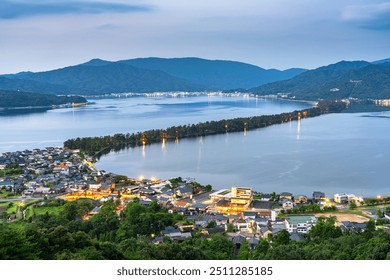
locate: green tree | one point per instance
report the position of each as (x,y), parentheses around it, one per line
(261,249)
(283,237)
(244,251)
(324,229)
(208,188)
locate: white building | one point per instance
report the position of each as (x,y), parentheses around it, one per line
(300,224)
(346,198)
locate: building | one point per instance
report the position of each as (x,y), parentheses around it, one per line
(221,194)
(241,196)
(353,226)
(340,198)
(300,224)
(288,204)
(266,197)
(286,195)
(318,196)
(300,198)
(346,198)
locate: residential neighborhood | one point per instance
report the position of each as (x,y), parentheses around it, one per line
(241,213)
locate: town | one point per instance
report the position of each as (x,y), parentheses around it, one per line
(239,212)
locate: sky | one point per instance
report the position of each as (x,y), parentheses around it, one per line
(40,35)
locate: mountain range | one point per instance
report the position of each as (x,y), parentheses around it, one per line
(345,79)
(145,75)
(359,79)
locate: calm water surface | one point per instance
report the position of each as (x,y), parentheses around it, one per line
(331,153)
(122,115)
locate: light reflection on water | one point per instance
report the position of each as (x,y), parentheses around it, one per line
(331,153)
(123,115)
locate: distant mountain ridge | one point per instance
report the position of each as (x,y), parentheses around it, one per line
(345,79)
(359,79)
(215,74)
(109,78)
(145,75)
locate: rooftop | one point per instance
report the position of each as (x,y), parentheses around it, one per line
(301,219)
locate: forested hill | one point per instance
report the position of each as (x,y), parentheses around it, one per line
(356,79)
(92,79)
(145,75)
(9,99)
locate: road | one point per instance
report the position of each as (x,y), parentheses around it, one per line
(21,198)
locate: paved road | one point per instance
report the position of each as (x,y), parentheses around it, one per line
(21,198)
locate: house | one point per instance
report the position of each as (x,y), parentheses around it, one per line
(237,239)
(221,219)
(184,192)
(158,187)
(287,204)
(186,228)
(131,189)
(260,205)
(182,203)
(266,197)
(94,186)
(300,198)
(41,191)
(8,185)
(264,231)
(353,226)
(346,198)
(248,214)
(146,192)
(340,198)
(199,207)
(232,218)
(170,230)
(214,230)
(300,224)
(181,210)
(241,224)
(261,221)
(285,195)
(317,196)
(253,242)
(163,201)
(58,188)
(276,229)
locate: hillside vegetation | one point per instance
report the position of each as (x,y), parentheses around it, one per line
(145,75)
(358,79)
(9,99)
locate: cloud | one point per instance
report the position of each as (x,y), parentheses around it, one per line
(11,9)
(374,16)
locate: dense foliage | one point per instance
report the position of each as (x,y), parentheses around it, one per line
(105,144)
(106,236)
(9,99)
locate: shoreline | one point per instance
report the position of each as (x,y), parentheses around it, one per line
(67,105)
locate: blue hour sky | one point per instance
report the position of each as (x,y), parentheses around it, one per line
(37,35)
